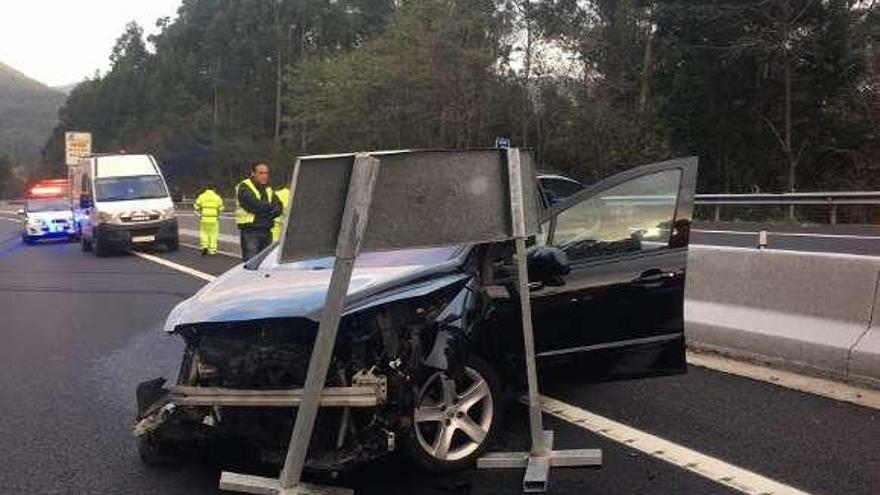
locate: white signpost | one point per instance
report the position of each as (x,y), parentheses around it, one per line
(341,204)
(77,145)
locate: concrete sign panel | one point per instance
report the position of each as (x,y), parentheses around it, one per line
(420,199)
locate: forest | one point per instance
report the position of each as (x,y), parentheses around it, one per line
(772,95)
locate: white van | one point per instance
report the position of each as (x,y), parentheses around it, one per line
(120,201)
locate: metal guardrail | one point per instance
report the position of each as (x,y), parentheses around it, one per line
(830,199)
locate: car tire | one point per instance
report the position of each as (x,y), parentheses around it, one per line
(27,240)
(86,244)
(475,410)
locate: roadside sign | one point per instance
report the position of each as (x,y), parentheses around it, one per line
(502,143)
(76,146)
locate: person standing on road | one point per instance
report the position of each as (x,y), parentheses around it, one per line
(208,205)
(284,197)
(257,206)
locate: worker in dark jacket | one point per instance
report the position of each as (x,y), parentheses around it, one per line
(257,206)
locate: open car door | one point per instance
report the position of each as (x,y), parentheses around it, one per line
(618,313)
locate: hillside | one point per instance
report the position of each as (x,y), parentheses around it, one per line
(28,112)
(66,89)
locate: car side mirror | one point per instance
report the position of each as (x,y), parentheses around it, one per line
(85,202)
(20,212)
(547,264)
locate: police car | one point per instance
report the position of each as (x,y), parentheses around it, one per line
(47,213)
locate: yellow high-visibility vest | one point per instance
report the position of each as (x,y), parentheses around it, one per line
(242,216)
(209,204)
(283,195)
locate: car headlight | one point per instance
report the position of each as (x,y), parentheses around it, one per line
(167,214)
(35,222)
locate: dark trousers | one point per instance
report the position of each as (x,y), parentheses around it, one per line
(253,241)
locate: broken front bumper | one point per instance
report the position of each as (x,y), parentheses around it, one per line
(156,404)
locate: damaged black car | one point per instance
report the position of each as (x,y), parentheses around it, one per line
(430,340)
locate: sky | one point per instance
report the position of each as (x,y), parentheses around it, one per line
(59,42)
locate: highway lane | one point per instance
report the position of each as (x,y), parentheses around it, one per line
(80,332)
(848,241)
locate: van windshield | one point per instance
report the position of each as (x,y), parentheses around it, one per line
(131,187)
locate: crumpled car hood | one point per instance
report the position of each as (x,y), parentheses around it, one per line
(299,290)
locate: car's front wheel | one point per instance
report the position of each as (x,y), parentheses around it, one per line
(454,419)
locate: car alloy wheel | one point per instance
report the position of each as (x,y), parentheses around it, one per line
(453,418)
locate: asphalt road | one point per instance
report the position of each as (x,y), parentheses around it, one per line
(78,333)
(849,239)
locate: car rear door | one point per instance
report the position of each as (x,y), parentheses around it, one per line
(620,310)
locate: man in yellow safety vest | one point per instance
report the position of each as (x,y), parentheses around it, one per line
(257,207)
(208,205)
(283,195)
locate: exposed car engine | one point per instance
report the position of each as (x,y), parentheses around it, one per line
(395,344)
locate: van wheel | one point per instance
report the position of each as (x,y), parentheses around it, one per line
(99,248)
(172,245)
(454,420)
(86,245)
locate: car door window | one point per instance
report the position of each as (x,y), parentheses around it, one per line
(556,190)
(634,216)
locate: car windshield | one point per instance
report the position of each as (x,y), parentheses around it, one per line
(132,187)
(409,257)
(403,257)
(47,204)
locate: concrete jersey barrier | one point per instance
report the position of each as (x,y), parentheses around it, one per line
(813,312)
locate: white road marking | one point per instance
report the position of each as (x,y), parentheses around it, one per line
(192,214)
(176,266)
(818,386)
(715,469)
(791,234)
(219,251)
(821,254)
(10,219)
(229,238)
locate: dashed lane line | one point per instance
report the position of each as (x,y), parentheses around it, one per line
(219,251)
(712,468)
(176,266)
(817,386)
(791,234)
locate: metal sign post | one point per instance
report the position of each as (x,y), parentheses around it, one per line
(537,463)
(351,234)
